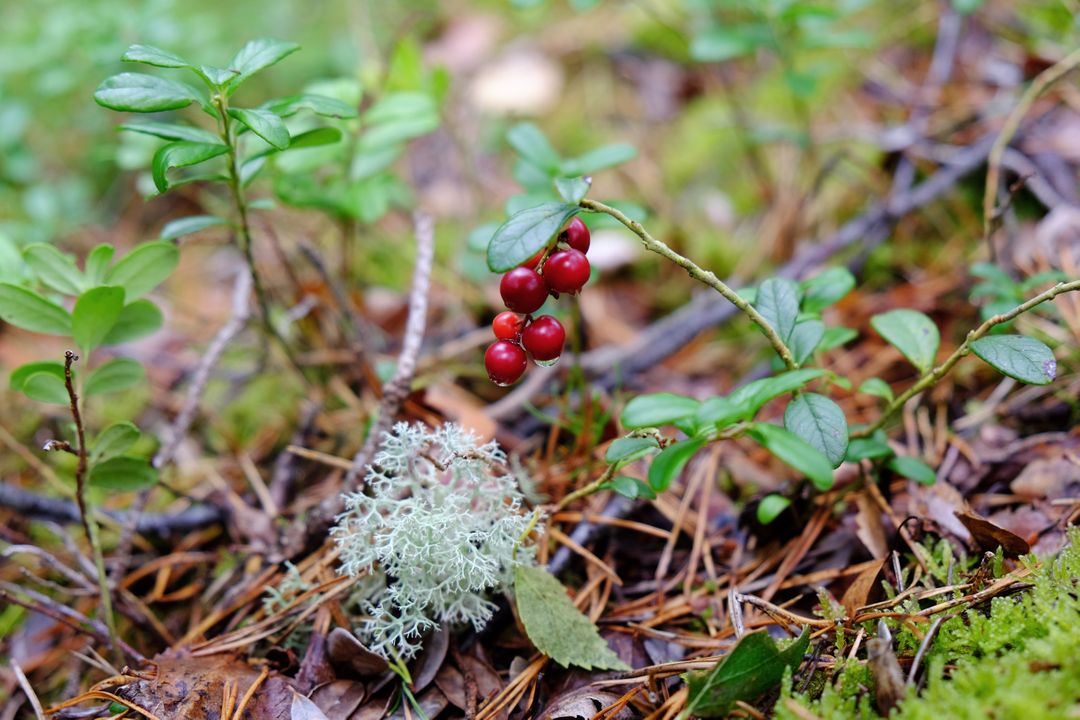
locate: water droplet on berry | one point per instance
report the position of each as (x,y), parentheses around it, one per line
(546,363)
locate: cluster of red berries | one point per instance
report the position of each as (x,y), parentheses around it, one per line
(524,289)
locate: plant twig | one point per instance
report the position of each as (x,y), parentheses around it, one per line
(1039,85)
(933,376)
(701,275)
(88,522)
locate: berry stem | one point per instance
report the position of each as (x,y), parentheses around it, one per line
(700,274)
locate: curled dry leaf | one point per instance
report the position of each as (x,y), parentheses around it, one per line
(889,683)
(432,702)
(858,593)
(430,660)
(989,536)
(339,699)
(348,654)
(583,703)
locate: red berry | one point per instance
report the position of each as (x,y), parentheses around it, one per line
(532,262)
(506,325)
(523,290)
(505,362)
(544,338)
(576,235)
(566,271)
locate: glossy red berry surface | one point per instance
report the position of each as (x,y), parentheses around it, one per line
(566,271)
(505,362)
(523,290)
(506,325)
(544,338)
(532,262)
(576,235)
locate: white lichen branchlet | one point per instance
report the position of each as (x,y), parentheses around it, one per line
(434,531)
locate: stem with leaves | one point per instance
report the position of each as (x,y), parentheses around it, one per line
(243,232)
(934,375)
(701,275)
(88,522)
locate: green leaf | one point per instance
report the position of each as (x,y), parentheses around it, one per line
(315,138)
(627,448)
(255,56)
(778,302)
(396,131)
(573,189)
(46,387)
(97,263)
(834,337)
(54,268)
(179,155)
(878,388)
(752,396)
(318,104)
(215,75)
(171,131)
(124,474)
(871,448)
(770,507)
(719,412)
(821,423)
(150,55)
(669,463)
(910,332)
(135,92)
(796,452)
(526,232)
(557,628)
(114,440)
(137,319)
(913,469)
(598,159)
(144,268)
(1023,358)
(530,143)
(186,226)
(826,288)
(114,375)
(805,339)
(657,409)
(265,124)
(753,667)
(727,42)
(20,374)
(27,310)
(95,313)
(629,487)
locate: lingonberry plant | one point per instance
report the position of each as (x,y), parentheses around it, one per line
(107,308)
(815,437)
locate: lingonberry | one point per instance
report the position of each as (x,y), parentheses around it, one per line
(506,325)
(532,262)
(544,338)
(505,362)
(523,290)
(566,271)
(576,235)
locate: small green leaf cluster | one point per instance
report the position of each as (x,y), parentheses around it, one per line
(553,187)
(354,179)
(107,309)
(440,526)
(264,129)
(1000,293)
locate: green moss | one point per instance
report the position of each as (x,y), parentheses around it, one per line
(1015,658)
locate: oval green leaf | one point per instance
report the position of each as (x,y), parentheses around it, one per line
(54,268)
(805,338)
(27,310)
(20,374)
(657,409)
(114,375)
(526,232)
(265,124)
(826,288)
(878,388)
(186,226)
(821,423)
(669,463)
(770,508)
(181,154)
(124,474)
(796,452)
(144,268)
(114,440)
(137,319)
(97,263)
(912,333)
(1023,358)
(46,387)
(255,56)
(95,313)
(171,131)
(629,487)
(778,302)
(628,448)
(135,92)
(150,55)
(913,469)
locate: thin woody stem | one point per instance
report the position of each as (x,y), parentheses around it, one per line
(701,275)
(934,375)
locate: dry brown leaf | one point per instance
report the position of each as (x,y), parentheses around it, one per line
(989,536)
(1047,478)
(583,703)
(347,653)
(431,659)
(868,526)
(339,699)
(858,593)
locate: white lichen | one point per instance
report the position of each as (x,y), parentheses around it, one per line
(435,531)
